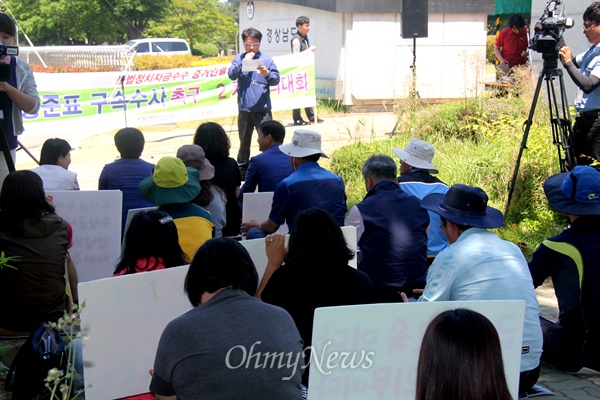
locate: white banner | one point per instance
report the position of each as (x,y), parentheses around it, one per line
(80,104)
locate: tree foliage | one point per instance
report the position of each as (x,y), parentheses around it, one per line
(198,21)
(62,22)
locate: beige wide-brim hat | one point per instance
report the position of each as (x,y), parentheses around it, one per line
(304,143)
(193,156)
(418,154)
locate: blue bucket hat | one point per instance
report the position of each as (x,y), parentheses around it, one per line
(464,205)
(576,192)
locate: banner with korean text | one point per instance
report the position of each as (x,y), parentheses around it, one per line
(87,103)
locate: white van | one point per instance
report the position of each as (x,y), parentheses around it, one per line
(159,46)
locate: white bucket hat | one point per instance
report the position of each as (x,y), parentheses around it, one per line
(418,154)
(304,143)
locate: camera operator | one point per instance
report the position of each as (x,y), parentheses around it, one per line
(17,94)
(584,70)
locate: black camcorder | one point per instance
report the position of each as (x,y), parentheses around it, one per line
(8,50)
(548,31)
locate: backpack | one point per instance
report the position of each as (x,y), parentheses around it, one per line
(43,350)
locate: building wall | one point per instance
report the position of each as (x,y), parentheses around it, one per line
(365,52)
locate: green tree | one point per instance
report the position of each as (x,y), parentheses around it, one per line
(135,15)
(198,21)
(57,22)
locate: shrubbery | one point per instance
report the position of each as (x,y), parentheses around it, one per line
(144,63)
(477,142)
(208,49)
(148,62)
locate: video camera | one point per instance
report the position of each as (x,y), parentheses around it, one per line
(8,50)
(548,36)
(5,68)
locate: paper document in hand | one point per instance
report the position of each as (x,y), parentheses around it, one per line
(250,65)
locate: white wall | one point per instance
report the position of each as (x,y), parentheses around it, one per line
(367,53)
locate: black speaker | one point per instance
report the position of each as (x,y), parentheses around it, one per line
(414,19)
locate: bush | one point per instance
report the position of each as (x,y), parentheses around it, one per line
(208,50)
(148,62)
(489,49)
(67,69)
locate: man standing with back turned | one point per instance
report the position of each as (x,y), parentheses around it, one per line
(254,96)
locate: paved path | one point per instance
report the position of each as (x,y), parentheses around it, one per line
(338,130)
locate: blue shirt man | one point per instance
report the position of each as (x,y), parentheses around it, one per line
(310,186)
(416,178)
(478,265)
(270,167)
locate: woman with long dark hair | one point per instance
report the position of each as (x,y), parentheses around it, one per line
(461,358)
(214,141)
(34,284)
(151,243)
(314,272)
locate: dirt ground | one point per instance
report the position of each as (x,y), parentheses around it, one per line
(89,155)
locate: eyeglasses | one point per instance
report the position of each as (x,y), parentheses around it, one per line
(248,44)
(443,225)
(588,26)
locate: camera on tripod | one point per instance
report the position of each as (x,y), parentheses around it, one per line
(548,36)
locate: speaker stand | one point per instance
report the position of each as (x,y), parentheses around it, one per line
(414,93)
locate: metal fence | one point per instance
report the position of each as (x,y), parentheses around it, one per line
(118,57)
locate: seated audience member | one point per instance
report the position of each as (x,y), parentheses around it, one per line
(391,230)
(126,173)
(478,265)
(55,159)
(571,259)
(34,291)
(151,243)
(309,186)
(204,354)
(416,178)
(461,358)
(172,187)
(215,143)
(313,273)
(270,167)
(211,198)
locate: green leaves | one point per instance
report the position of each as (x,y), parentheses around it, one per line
(5,260)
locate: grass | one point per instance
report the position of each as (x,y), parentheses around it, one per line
(477,142)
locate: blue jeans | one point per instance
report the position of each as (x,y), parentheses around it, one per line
(256,233)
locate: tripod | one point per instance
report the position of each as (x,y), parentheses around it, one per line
(414,93)
(560,120)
